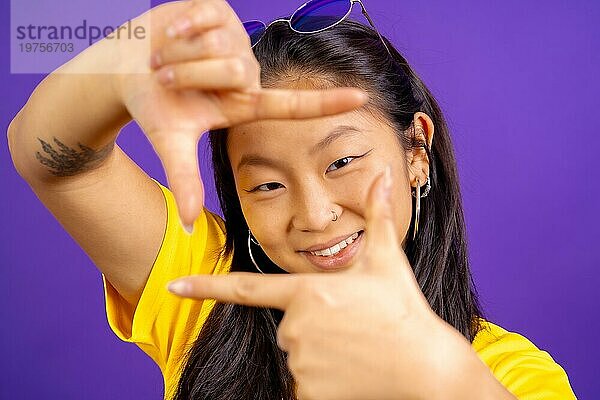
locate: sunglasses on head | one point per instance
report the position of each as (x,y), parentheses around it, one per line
(311,17)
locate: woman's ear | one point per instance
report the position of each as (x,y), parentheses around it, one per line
(418,162)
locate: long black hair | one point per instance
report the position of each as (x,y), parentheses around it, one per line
(235,355)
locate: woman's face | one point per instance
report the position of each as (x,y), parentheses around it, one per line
(291,174)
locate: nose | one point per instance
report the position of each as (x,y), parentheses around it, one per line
(312,208)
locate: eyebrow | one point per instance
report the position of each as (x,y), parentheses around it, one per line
(338,132)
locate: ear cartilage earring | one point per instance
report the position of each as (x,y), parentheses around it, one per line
(335,216)
(427,188)
(250,241)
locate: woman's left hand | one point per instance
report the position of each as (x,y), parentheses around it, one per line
(364,333)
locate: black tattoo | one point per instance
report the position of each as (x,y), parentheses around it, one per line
(68,161)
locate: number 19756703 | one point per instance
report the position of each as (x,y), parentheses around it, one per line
(41,47)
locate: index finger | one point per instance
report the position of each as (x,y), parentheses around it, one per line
(295,104)
(199,17)
(245,288)
(178,153)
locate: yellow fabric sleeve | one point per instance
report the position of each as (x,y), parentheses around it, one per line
(526,371)
(163,324)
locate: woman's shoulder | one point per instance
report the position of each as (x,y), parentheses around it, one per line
(491,333)
(519,364)
(163,322)
(214,220)
(492,339)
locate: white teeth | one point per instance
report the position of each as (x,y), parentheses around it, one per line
(335,248)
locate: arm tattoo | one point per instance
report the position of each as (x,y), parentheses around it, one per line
(68,161)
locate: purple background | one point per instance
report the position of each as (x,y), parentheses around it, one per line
(518,85)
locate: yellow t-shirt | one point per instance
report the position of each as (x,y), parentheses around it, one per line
(165,325)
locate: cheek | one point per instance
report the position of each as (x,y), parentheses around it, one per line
(401,195)
(352,193)
(268,224)
(264,222)
(272,238)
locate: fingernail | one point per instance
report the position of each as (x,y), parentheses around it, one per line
(166,76)
(189,229)
(387,183)
(364,96)
(179,26)
(179,287)
(387,178)
(155,60)
(171,32)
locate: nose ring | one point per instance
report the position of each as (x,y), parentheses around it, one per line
(335,216)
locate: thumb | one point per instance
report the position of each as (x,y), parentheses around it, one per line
(380,231)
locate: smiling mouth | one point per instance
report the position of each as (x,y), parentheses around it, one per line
(336,248)
(336,256)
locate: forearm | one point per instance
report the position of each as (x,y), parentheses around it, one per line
(74,109)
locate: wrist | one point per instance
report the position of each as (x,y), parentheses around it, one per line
(90,81)
(111,62)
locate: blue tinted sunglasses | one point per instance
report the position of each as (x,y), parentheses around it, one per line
(311,17)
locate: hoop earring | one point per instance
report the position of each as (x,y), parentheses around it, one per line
(417,208)
(335,216)
(417,194)
(251,240)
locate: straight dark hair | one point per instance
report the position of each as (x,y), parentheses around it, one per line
(235,355)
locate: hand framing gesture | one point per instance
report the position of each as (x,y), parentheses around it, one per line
(204,76)
(363,333)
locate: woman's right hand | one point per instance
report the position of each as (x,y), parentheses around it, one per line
(214,83)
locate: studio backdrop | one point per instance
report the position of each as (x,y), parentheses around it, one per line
(518,83)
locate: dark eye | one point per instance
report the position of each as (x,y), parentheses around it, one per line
(342,162)
(266,187)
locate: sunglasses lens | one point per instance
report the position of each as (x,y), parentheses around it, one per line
(319,14)
(255,30)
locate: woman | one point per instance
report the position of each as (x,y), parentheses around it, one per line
(293,192)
